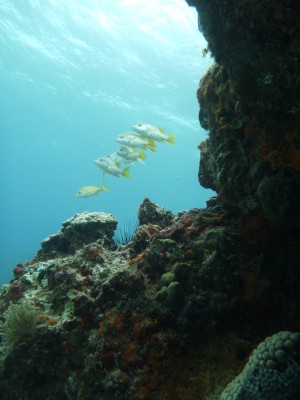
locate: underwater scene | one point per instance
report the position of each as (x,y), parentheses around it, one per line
(150,200)
(74,76)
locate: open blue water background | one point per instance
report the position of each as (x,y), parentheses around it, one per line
(74,75)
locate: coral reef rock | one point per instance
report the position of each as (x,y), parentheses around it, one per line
(175,311)
(81,229)
(272,369)
(249,102)
(184,301)
(151,213)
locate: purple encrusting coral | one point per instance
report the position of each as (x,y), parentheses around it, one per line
(176,312)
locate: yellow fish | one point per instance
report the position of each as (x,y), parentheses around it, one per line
(132,140)
(152,132)
(111,167)
(94,190)
(128,154)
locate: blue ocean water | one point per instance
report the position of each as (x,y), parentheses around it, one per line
(74,75)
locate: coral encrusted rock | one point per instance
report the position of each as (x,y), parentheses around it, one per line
(273,371)
(175,312)
(151,213)
(77,231)
(249,102)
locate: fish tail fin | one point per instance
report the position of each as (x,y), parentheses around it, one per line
(125,172)
(103,187)
(171,139)
(152,145)
(142,155)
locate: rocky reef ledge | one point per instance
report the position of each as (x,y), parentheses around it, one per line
(202,305)
(174,313)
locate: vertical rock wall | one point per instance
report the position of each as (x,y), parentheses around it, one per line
(249,103)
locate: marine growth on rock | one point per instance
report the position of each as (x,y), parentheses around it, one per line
(174,308)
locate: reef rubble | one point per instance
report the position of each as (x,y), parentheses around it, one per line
(176,312)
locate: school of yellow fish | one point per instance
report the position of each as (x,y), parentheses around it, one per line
(134,144)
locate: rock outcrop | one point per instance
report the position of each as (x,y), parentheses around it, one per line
(78,231)
(249,102)
(175,312)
